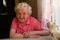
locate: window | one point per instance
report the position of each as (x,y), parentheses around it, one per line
(51,11)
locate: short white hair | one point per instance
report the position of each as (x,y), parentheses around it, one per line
(24,4)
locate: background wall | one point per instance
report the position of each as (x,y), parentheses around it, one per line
(39,7)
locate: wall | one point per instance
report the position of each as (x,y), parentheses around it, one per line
(39,6)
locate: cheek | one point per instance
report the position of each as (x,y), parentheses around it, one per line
(18,16)
(26,16)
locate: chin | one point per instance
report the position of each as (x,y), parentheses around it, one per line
(22,21)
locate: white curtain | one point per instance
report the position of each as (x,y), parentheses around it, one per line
(46,11)
(56,7)
(50,11)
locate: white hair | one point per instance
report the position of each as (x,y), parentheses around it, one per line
(24,4)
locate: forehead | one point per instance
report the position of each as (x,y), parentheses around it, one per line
(24,9)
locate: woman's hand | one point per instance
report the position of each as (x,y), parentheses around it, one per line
(31,34)
(34,36)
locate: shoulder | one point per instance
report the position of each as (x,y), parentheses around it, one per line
(14,19)
(34,19)
(14,24)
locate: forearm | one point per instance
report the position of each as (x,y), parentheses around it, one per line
(16,36)
(43,32)
(33,36)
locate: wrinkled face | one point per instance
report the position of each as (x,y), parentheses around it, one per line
(22,14)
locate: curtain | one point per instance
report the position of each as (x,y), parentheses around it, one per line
(50,11)
(47,12)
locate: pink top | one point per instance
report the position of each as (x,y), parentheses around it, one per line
(31,25)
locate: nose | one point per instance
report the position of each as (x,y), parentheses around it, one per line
(21,16)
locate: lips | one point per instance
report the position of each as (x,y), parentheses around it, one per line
(21,19)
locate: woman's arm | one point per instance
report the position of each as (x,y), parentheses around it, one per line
(15,35)
(43,32)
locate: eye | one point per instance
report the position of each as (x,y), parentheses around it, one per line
(18,13)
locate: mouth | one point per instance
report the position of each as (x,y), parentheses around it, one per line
(21,18)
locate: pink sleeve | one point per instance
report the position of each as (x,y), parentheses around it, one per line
(14,25)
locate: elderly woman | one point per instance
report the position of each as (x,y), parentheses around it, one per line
(24,25)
